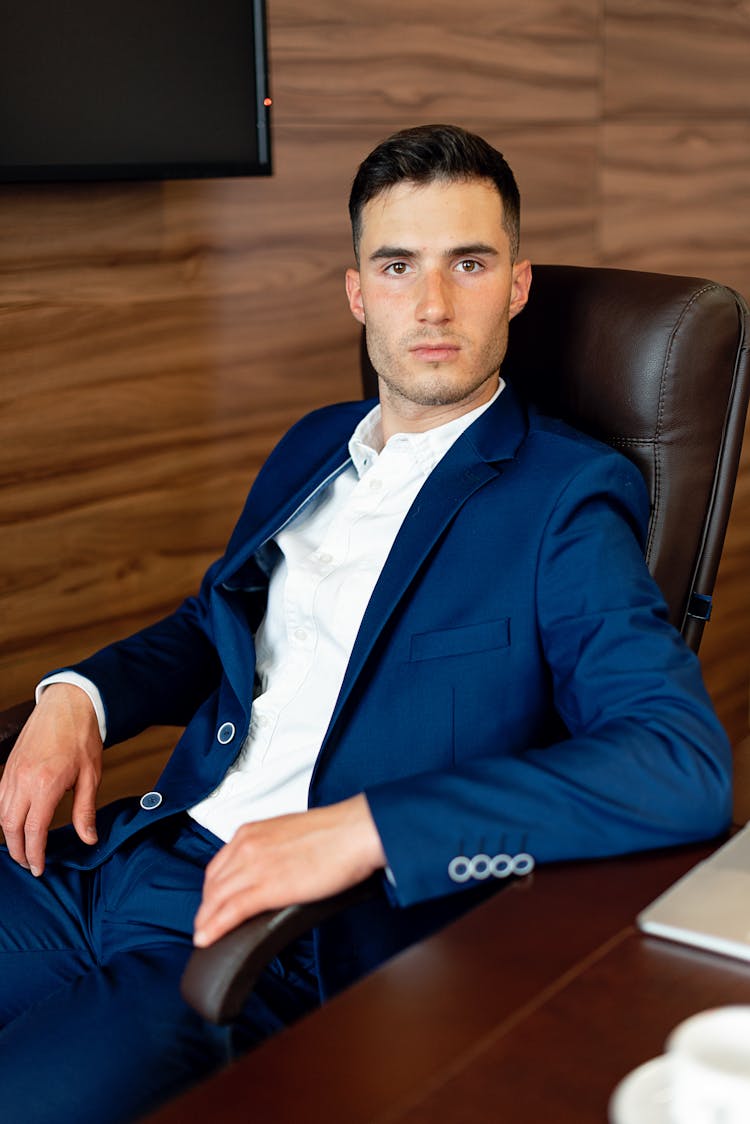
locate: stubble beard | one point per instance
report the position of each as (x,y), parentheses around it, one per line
(432,384)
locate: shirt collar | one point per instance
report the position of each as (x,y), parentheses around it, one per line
(427,448)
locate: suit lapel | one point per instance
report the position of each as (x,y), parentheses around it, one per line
(289,481)
(476,458)
(295,478)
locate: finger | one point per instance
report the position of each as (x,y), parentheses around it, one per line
(217,895)
(239,871)
(84,808)
(242,891)
(38,819)
(213,922)
(13,823)
(270,882)
(218,864)
(239,849)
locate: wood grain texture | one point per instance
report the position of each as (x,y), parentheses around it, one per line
(674,197)
(398,64)
(566,1056)
(742,781)
(679,57)
(557,170)
(147,373)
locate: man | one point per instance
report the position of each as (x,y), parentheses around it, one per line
(431,649)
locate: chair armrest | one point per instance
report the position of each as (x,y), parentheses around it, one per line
(12,721)
(219,979)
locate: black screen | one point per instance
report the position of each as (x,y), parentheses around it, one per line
(110,89)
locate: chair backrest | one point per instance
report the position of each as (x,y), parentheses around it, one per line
(656,366)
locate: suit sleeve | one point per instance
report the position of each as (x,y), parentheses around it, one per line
(160,675)
(646,763)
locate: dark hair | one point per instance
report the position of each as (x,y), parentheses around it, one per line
(434,152)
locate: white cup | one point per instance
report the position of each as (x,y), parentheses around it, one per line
(710,1060)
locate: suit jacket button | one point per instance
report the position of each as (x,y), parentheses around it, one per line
(151,800)
(481,866)
(523,863)
(459,869)
(225,733)
(501,866)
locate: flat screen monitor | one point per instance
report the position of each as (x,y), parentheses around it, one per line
(133,89)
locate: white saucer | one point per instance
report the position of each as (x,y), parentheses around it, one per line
(644,1096)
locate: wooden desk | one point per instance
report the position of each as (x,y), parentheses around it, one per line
(527,1010)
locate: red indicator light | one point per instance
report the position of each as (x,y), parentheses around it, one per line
(267,101)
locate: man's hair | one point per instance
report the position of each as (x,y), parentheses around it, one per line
(428,153)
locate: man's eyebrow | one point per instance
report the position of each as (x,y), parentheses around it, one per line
(478,249)
(391,252)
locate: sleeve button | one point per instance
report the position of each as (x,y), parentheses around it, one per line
(459,869)
(225,733)
(523,863)
(151,800)
(480,867)
(501,866)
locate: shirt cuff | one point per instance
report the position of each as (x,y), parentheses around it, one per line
(86,685)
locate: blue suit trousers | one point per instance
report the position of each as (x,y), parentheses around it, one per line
(94,1030)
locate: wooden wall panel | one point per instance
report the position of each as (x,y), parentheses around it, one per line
(676,57)
(675,197)
(557,169)
(399,64)
(156,339)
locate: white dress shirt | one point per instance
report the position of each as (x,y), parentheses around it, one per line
(329,558)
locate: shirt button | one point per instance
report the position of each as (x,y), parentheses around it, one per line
(225,733)
(324,558)
(151,800)
(261,721)
(375,485)
(300,634)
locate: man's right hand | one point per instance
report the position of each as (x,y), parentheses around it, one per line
(59,748)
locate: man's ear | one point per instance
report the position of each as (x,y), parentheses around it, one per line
(354,295)
(519,293)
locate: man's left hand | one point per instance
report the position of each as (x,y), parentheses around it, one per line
(287,860)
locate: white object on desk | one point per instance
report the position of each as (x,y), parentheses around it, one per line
(710,1053)
(645,1095)
(704,1078)
(710,905)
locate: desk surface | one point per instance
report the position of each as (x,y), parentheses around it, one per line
(532,1007)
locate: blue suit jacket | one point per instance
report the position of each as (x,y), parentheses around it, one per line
(514,686)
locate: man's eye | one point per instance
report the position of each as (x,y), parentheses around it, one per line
(397,267)
(468,265)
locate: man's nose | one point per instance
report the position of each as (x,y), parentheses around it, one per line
(434,305)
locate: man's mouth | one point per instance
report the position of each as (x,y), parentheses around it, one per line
(435,352)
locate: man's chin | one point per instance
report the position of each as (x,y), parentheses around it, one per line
(435,391)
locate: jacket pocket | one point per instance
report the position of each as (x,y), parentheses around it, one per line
(485,637)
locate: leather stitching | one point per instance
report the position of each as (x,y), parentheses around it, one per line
(660,414)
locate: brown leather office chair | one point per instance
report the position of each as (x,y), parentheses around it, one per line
(652,364)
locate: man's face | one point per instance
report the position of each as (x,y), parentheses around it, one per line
(436,290)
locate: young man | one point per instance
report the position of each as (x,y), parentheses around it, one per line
(432,648)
